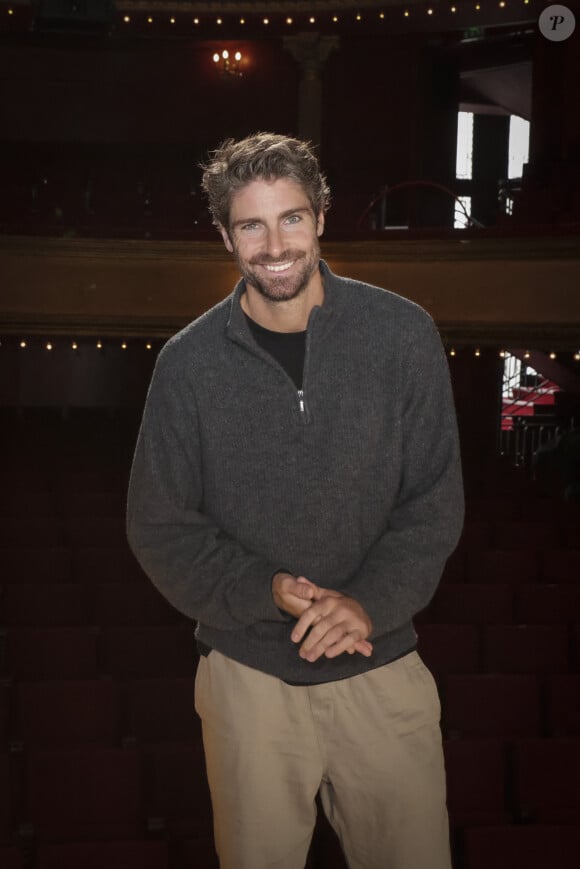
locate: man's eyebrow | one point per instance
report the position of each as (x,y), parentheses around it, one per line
(301,209)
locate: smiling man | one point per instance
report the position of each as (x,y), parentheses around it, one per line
(296,489)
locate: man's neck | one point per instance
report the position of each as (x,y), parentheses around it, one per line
(290,316)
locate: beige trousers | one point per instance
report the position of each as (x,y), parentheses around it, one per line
(370,744)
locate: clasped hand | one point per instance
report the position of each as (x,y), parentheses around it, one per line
(329,622)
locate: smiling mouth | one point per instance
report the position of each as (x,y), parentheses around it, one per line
(278,267)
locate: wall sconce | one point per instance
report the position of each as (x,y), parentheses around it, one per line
(227,64)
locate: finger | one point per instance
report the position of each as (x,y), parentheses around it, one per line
(347,643)
(313,648)
(364,648)
(305,622)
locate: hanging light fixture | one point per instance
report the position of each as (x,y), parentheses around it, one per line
(227,63)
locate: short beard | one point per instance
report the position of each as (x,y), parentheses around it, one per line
(282,289)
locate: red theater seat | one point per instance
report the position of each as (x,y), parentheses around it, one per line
(546,777)
(11,858)
(542,604)
(35,564)
(141,652)
(563,705)
(45,653)
(527,535)
(67,713)
(91,794)
(525,649)
(6,808)
(449,648)
(491,705)
(467,603)
(132,604)
(502,566)
(162,710)
(104,855)
(529,847)
(476,777)
(561,565)
(48,604)
(106,564)
(176,791)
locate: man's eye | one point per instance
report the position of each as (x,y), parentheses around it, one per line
(294,218)
(250,227)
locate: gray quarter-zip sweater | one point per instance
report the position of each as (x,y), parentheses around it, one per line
(354,483)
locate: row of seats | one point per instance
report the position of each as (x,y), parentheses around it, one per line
(100,711)
(132,651)
(478,534)
(113,713)
(113,562)
(35,604)
(114,793)
(514,566)
(104,793)
(500,847)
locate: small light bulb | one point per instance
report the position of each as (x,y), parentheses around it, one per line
(172,20)
(148,346)
(99,345)
(452,352)
(74,345)
(196,21)
(238,56)
(406,13)
(225,54)
(478,352)
(526,355)
(429,12)
(335,18)
(11,12)
(23,345)
(289,21)
(219,21)
(266,21)
(502,354)
(242,20)
(126,19)
(123,346)
(552,355)
(48,345)
(577,357)
(381,15)
(150,20)
(216,58)
(312,19)
(454,8)
(359,17)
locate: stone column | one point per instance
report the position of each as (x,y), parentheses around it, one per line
(310,50)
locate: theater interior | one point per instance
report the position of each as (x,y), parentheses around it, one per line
(449,132)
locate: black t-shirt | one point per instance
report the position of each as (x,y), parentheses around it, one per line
(287,348)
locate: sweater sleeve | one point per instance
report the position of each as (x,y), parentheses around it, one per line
(400,572)
(202,571)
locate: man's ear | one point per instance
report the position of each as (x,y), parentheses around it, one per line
(320,224)
(226,238)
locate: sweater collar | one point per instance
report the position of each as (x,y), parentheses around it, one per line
(238,330)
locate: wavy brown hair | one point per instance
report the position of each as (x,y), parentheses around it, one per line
(265,156)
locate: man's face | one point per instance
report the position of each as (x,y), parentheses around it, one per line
(273,234)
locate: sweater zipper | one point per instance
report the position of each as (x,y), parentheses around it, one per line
(301,400)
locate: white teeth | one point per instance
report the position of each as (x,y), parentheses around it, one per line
(280,267)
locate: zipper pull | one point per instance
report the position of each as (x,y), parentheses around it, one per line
(301,400)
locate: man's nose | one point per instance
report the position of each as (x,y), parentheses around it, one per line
(274,241)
